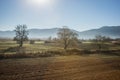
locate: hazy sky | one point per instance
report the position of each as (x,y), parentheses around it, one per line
(76,14)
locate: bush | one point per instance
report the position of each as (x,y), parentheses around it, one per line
(54,52)
(21,50)
(86,51)
(1,55)
(32,42)
(72,51)
(47,54)
(15,56)
(11,49)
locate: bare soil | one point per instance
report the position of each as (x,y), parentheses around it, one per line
(60,68)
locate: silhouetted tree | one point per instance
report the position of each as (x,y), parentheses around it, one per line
(21,34)
(50,38)
(100,41)
(66,36)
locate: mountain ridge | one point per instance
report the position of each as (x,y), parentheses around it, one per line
(110,31)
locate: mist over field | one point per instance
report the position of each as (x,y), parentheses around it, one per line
(110,31)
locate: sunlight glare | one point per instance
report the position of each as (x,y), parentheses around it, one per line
(40,3)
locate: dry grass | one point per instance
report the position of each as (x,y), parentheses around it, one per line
(61,68)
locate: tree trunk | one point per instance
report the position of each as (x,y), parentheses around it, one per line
(21,44)
(100,47)
(65,47)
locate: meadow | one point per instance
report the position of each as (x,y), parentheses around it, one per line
(9,47)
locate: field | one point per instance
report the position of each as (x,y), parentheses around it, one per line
(30,48)
(61,68)
(66,67)
(41,46)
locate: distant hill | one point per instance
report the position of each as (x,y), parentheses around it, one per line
(43,33)
(33,33)
(111,31)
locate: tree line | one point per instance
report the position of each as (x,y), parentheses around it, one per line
(65,36)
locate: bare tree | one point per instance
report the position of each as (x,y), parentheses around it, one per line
(21,34)
(66,36)
(100,41)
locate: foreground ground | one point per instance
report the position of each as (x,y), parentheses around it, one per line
(61,68)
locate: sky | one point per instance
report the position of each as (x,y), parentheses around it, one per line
(80,15)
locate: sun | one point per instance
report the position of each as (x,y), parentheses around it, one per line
(40,2)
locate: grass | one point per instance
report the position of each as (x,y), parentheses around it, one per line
(41,49)
(39,45)
(30,48)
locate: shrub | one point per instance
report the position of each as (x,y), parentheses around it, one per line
(15,56)
(72,51)
(11,49)
(32,42)
(1,55)
(86,51)
(21,50)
